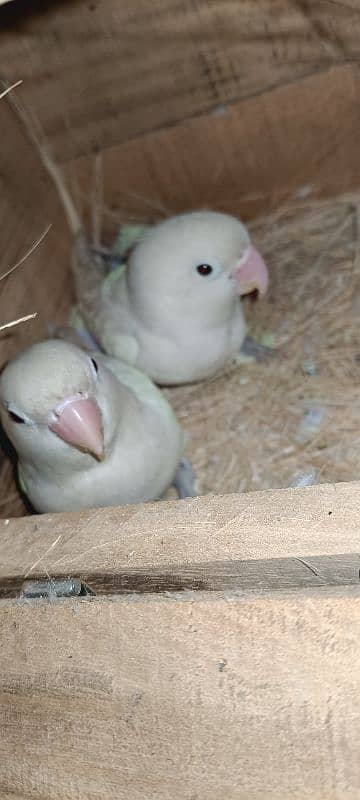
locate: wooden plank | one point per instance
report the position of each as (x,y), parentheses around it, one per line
(260,575)
(98,74)
(317,521)
(259,153)
(183,698)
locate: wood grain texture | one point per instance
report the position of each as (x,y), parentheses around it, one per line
(100,73)
(257,154)
(182,698)
(317,521)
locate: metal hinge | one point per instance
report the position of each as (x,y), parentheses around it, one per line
(56,587)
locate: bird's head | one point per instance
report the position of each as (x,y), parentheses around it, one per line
(196,261)
(51,403)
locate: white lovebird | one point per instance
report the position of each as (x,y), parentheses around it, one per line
(173,310)
(88,430)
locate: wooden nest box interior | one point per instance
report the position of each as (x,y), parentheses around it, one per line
(236,107)
(216,657)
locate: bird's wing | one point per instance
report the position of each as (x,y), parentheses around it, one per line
(106,323)
(119,345)
(116,331)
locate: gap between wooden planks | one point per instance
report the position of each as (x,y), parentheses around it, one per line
(257,575)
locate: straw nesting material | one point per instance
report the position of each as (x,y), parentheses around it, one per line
(294,419)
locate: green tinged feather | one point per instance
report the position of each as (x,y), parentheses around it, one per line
(127,237)
(22,483)
(111,280)
(76,321)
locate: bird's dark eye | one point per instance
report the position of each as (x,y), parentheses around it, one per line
(204,269)
(96,368)
(16,417)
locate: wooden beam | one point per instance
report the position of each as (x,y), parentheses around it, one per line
(181,697)
(317,521)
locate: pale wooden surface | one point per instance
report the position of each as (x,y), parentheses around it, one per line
(258,525)
(182,698)
(100,73)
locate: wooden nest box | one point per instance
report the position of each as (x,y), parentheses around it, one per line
(217,653)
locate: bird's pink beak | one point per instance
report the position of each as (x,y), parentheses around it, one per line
(251,273)
(77,420)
